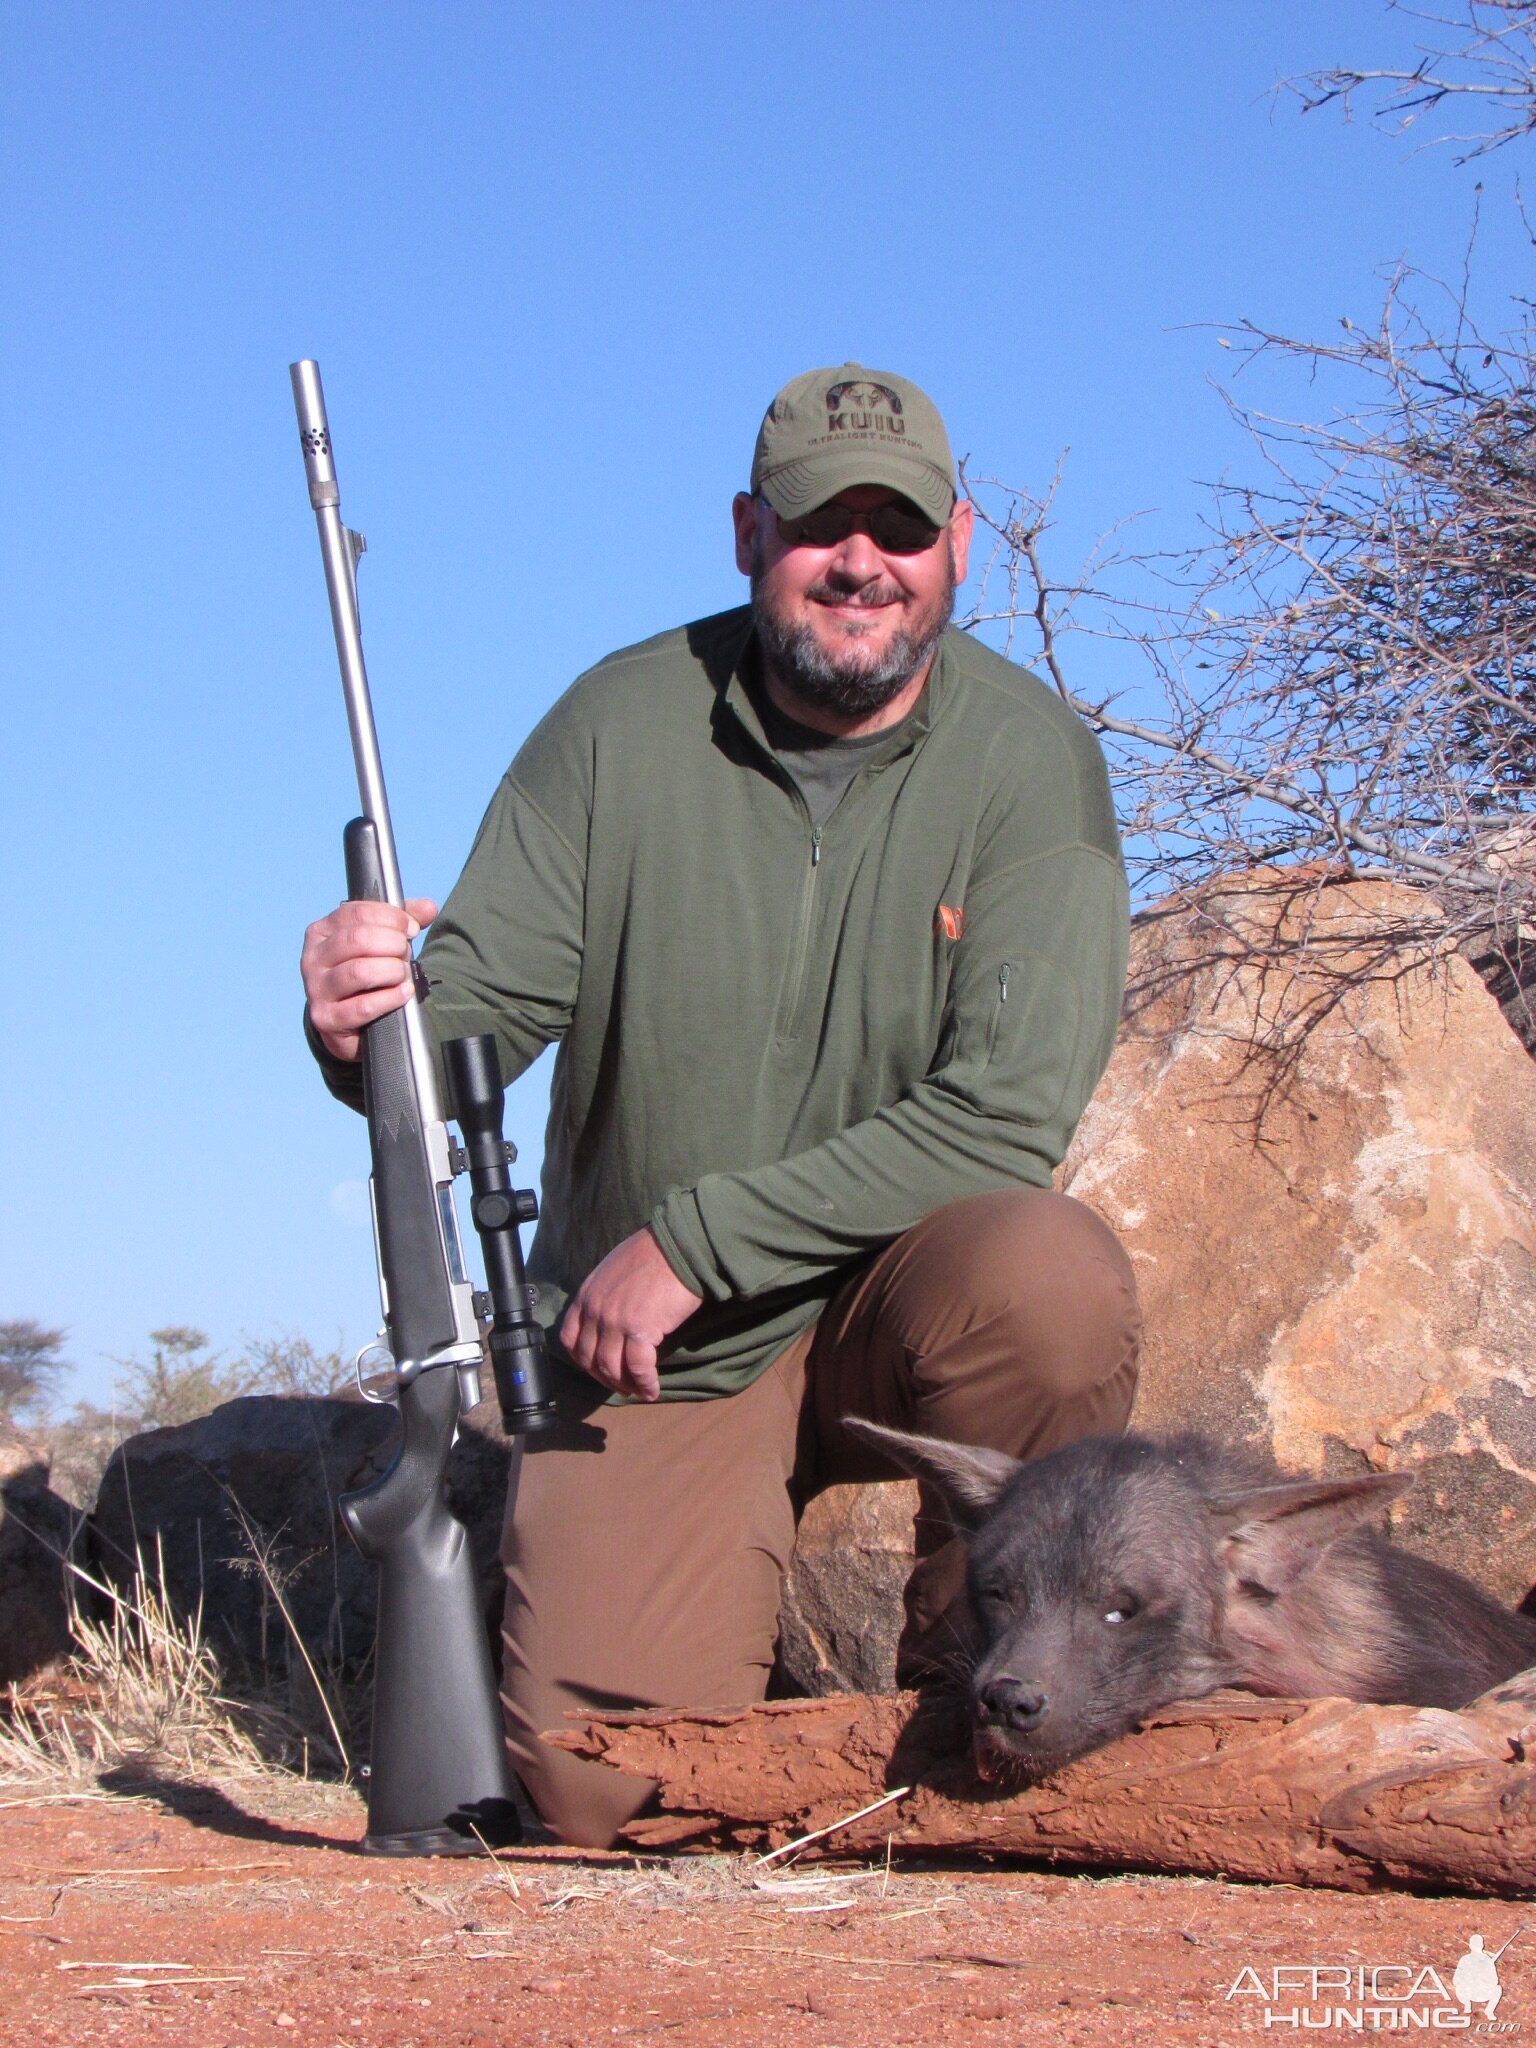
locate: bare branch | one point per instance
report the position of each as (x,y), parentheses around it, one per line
(1491,62)
(1342,674)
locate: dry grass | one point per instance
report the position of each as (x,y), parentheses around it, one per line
(144,1690)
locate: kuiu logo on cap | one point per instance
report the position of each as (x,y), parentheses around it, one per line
(860,405)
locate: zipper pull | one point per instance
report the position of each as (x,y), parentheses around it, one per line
(1002,980)
(815,846)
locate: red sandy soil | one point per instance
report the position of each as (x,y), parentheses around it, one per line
(283,1933)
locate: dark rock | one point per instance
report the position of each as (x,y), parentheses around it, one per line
(1508,968)
(37,1533)
(260,1477)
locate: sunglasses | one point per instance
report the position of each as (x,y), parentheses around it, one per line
(893,529)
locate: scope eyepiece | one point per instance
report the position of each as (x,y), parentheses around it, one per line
(521,1372)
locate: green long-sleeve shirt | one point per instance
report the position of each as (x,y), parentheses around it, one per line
(780,1045)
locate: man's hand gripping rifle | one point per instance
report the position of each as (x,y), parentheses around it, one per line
(438,1775)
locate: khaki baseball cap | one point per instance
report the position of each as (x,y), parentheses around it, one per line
(831,429)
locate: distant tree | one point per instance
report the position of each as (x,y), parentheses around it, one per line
(181,1379)
(293,1365)
(79,1445)
(32,1362)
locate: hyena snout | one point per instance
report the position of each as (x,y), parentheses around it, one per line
(1011,1704)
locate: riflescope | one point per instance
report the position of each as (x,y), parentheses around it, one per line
(515,1342)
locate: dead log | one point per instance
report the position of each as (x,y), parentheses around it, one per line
(1319,1792)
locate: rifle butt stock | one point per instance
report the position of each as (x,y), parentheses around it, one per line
(439,1782)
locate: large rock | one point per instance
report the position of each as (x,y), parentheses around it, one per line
(263,1474)
(841,1612)
(37,1533)
(1336,1245)
(1335,1242)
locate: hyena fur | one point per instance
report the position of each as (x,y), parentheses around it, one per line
(1118,1574)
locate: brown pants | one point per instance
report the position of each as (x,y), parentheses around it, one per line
(645,1545)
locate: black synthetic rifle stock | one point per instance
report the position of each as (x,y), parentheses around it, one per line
(439,1782)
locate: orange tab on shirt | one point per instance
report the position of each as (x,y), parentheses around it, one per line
(950,922)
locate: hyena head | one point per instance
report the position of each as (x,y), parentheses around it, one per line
(1103,1577)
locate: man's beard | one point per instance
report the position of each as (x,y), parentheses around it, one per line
(854,680)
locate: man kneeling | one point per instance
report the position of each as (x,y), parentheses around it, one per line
(823,902)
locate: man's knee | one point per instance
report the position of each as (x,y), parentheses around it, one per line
(1026,1274)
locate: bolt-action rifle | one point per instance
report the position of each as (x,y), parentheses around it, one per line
(438,1774)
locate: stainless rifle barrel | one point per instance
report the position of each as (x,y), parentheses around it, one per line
(339,548)
(338,552)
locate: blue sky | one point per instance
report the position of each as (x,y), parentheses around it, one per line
(553,263)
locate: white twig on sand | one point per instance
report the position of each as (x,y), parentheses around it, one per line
(847,1820)
(822,1955)
(138,1968)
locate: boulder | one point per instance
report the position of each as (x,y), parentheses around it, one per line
(37,1533)
(262,1475)
(1324,1168)
(841,1612)
(1323,1164)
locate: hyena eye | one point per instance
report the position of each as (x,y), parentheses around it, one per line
(1123,1609)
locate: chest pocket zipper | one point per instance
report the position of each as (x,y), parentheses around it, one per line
(1004,973)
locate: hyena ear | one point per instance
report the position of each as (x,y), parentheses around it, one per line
(969,1478)
(1271,1536)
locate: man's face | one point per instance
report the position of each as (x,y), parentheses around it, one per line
(847,627)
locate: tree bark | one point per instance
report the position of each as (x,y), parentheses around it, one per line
(1324,1792)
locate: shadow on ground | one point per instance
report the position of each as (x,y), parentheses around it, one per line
(205,1806)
